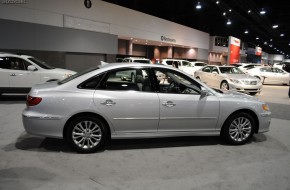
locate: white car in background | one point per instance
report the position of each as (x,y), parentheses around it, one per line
(246,66)
(229,78)
(278,65)
(136,60)
(184,65)
(18,73)
(270,75)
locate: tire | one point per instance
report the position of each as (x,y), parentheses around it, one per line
(239,128)
(224,85)
(86,134)
(252,93)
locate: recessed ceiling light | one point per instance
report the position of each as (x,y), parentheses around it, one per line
(217,2)
(246,31)
(224,13)
(275,26)
(270,40)
(257,38)
(229,22)
(198,6)
(230,10)
(281,35)
(262,12)
(249,11)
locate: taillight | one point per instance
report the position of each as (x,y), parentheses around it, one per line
(33,101)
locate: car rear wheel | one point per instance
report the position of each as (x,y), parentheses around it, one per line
(239,129)
(225,85)
(86,134)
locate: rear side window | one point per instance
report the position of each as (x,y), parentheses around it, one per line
(91,83)
(206,69)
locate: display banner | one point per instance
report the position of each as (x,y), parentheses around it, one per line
(258,51)
(234,50)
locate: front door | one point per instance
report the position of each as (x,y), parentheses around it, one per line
(182,108)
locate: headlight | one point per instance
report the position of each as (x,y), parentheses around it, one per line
(265,107)
(235,81)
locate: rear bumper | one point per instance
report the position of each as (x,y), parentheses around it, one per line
(43,125)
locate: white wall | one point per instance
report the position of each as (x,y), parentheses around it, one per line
(103,17)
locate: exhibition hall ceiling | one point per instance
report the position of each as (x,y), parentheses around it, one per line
(212,17)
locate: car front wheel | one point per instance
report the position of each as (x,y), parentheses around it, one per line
(86,134)
(239,129)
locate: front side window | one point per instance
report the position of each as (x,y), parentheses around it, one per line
(40,63)
(176,83)
(206,69)
(4,63)
(135,79)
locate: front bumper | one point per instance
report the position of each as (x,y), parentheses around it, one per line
(246,88)
(264,122)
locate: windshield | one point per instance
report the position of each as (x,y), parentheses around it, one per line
(40,63)
(230,70)
(77,75)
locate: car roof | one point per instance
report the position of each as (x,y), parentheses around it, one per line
(132,64)
(4,54)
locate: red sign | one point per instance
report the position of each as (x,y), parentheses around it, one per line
(234,50)
(258,51)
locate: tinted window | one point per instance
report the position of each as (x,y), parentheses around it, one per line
(142,61)
(200,64)
(186,63)
(92,83)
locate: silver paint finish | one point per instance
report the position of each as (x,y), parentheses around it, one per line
(137,114)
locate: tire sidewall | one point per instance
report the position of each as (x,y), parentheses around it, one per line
(226,127)
(71,125)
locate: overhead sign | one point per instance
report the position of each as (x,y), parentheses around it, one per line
(258,51)
(166,39)
(234,50)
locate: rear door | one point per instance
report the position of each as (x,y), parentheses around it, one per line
(129,104)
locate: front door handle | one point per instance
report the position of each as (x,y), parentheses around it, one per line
(168,104)
(108,103)
(13,75)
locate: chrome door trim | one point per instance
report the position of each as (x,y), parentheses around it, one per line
(143,118)
(164,118)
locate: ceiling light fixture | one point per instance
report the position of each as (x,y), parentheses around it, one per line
(224,13)
(217,2)
(229,22)
(257,38)
(246,31)
(262,12)
(198,6)
(249,11)
(230,10)
(281,35)
(275,26)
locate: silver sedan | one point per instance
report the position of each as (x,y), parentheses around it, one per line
(229,78)
(91,107)
(270,75)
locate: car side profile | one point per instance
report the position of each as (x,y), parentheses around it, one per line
(18,73)
(270,75)
(229,78)
(94,106)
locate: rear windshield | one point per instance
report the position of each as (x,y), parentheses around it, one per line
(77,75)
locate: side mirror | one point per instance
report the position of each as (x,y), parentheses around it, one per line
(31,68)
(204,93)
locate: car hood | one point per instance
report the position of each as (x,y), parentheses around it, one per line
(240,76)
(238,95)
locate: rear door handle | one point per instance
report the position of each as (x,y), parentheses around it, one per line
(108,103)
(168,104)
